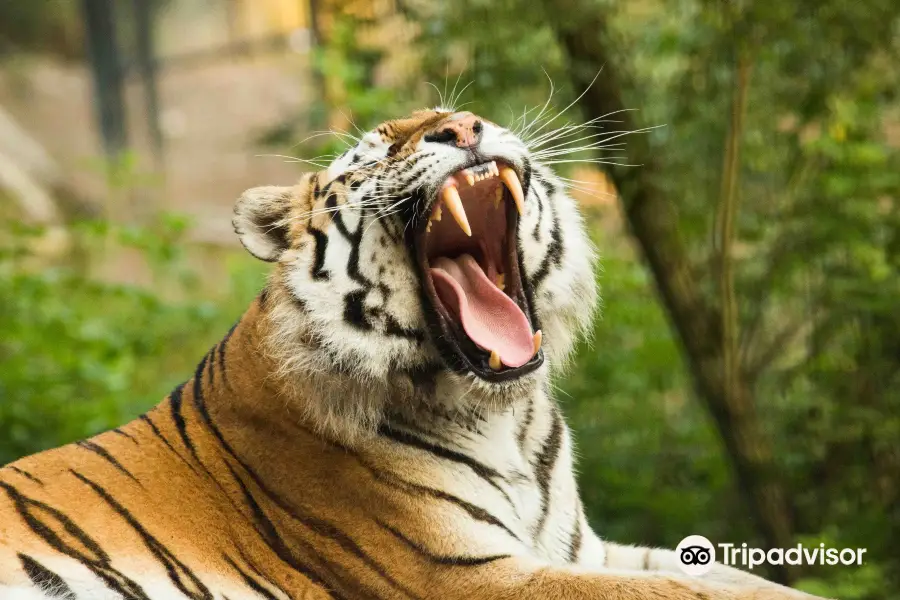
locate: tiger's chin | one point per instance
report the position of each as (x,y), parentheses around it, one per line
(474,297)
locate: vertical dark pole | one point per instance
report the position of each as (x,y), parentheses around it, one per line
(144,13)
(318,78)
(103,52)
(313,7)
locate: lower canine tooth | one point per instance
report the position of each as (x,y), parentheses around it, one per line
(454,204)
(437,214)
(509,177)
(501,281)
(498,196)
(494,362)
(538,338)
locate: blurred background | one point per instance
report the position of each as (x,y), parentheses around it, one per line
(743,381)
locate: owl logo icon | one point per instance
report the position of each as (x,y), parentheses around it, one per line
(696,555)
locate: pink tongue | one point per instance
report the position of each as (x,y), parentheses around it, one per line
(490,318)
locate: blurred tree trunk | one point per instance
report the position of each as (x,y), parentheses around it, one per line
(103,52)
(705,328)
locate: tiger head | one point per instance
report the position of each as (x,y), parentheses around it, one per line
(435,261)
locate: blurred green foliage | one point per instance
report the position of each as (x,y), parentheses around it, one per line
(80,355)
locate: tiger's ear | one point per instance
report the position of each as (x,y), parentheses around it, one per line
(262,220)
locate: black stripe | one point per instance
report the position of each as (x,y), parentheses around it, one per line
(124,434)
(353,271)
(523,430)
(646,563)
(198,379)
(158,434)
(474,511)
(182,576)
(222,346)
(40,517)
(26,474)
(456,561)
(577,537)
(46,580)
(211,363)
(536,233)
(320,244)
(175,400)
(250,581)
(392,327)
(355,310)
(543,470)
(481,470)
(104,454)
(553,256)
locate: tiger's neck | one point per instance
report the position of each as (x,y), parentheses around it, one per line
(242,385)
(237,418)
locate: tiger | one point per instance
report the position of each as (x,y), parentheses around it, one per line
(379,424)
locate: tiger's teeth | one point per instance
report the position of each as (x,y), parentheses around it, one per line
(454,205)
(538,338)
(498,196)
(428,228)
(470,178)
(509,177)
(494,362)
(437,214)
(501,281)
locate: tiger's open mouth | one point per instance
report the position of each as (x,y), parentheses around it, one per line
(469,262)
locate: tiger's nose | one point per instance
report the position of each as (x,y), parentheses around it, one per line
(463,129)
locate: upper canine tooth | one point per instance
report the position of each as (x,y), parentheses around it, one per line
(538,338)
(454,205)
(509,177)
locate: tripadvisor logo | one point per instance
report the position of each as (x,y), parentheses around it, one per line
(697,555)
